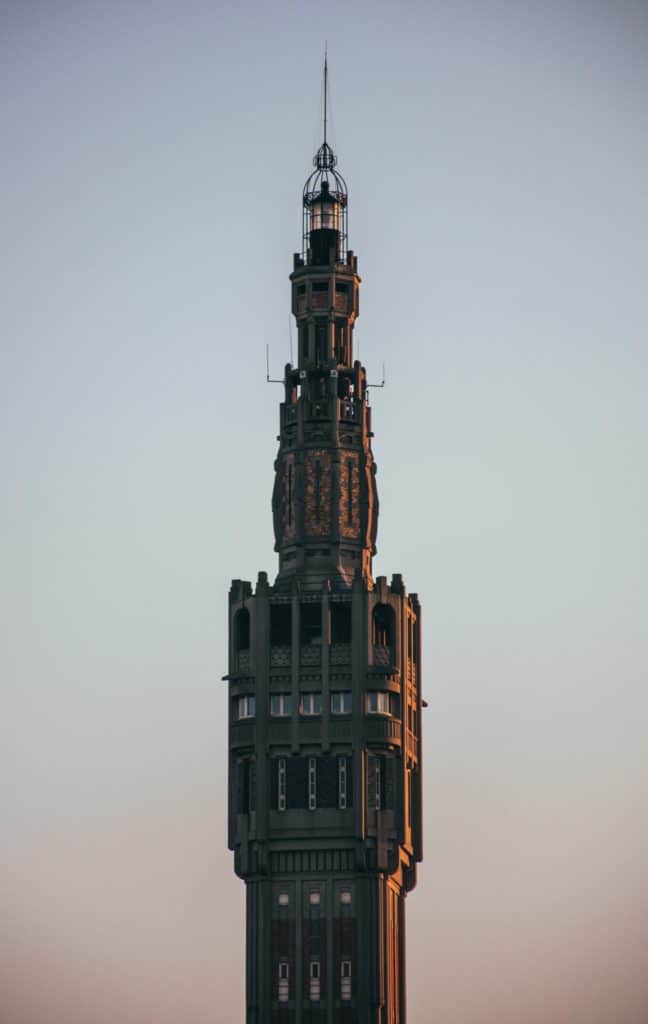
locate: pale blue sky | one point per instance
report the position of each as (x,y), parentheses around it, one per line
(497,159)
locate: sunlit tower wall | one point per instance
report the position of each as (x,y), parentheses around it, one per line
(325,684)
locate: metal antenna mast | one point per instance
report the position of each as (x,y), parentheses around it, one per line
(325,84)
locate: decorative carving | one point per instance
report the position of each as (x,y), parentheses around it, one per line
(349,510)
(288,498)
(317,492)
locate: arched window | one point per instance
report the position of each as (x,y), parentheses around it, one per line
(383,635)
(383,626)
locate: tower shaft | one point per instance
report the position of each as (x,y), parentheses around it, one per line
(324,683)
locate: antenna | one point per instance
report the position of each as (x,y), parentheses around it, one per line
(269,379)
(383,381)
(325,84)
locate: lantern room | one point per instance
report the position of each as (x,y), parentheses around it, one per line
(324,212)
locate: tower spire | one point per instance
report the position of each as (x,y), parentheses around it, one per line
(324,680)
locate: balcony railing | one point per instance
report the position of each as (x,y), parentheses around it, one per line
(280,657)
(383,729)
(311,654)
(382,656)
(340,654)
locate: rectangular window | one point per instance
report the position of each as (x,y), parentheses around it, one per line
(284,981)
(378,703)
(345,980)
(342,783)
(378,785)
(341,702)
(280,625)
(311,612)
(340,623)
(246,707)
(310,704)
(280,704)
(312,783)
(314,981)
(281,784)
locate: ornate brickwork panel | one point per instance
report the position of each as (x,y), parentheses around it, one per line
(288,498)
(317,492)
(349,512)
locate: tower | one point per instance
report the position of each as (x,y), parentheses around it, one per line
(324,683)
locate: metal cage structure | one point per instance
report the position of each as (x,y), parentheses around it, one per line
(325,186)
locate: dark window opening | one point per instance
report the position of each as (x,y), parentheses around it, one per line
(303,335)
(327,782)
(320,343)
(383,626)
(320,286)
(301,289)
(339,343)
(242,630)
(280,625)
(311,623)
(340,623)
(341,288)
(297,783)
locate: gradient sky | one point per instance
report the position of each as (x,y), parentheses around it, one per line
(497,160)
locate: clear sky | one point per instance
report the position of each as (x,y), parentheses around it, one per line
(497,160)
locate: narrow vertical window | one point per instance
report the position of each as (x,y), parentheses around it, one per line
(314,981)
(284,981)
(345,980)
(312,783)
(290,494)
(349,492)
(342,783)
(281,784)
(246,707)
